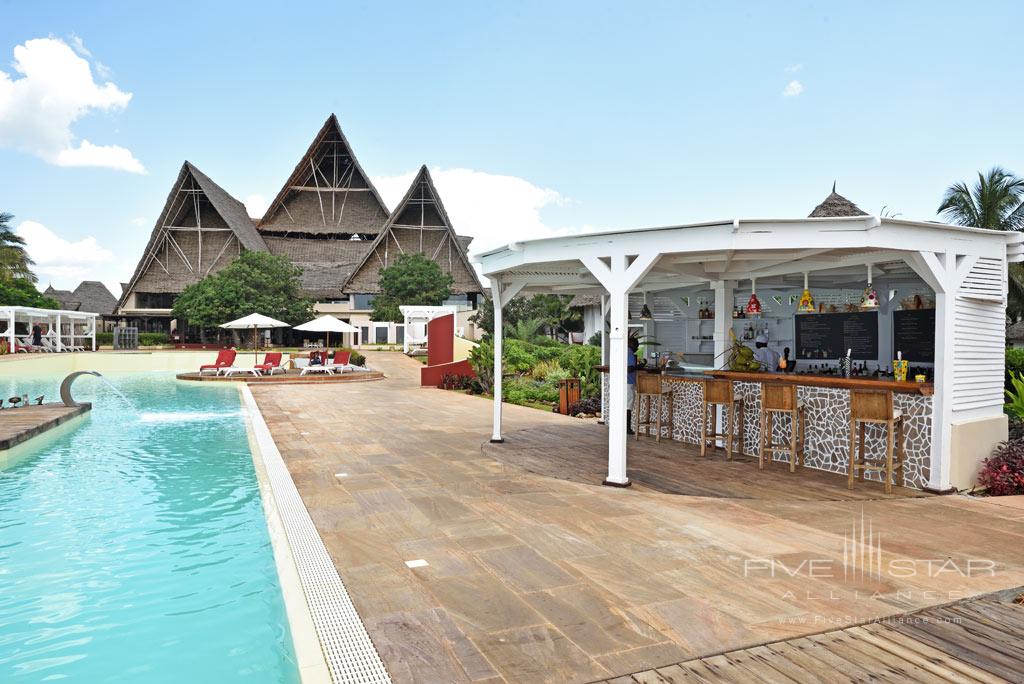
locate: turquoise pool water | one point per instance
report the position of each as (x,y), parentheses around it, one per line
(134,548)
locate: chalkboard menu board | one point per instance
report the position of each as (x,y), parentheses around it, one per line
(829,335)
(913,333)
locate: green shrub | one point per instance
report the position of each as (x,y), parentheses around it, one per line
(152,339)
(104,338)
(525,390)
(579,360)
(1015,396)
(1014,365)
(517,356)
(543,368)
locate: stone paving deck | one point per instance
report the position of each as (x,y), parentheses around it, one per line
(533,578)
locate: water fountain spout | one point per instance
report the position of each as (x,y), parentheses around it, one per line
(65,387)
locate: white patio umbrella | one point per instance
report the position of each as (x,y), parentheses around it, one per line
(327,324)
(254,321)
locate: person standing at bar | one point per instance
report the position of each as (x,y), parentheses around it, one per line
(768,358)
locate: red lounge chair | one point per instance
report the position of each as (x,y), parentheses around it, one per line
(342,358)
(225,359)
(271,363)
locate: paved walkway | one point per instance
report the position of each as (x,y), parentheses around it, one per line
(531,578)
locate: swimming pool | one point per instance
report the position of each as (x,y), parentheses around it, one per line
(133,544)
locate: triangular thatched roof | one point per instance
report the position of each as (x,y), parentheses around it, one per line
(419,223)
(94,297)
(192,192)
(327,192)
(836,205)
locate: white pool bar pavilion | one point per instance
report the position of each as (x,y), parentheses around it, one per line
(677,272)
(62,330)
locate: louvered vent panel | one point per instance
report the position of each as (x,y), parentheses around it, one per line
(978,353)
(985,280)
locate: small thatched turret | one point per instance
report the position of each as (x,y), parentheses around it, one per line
(836,205)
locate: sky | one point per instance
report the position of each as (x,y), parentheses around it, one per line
(536,118)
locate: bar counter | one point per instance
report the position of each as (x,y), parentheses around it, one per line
(826,399)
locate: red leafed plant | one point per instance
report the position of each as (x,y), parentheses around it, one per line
(1002,474)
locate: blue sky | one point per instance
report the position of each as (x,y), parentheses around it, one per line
(538,118)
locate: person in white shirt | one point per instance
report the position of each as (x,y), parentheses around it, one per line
(768,358)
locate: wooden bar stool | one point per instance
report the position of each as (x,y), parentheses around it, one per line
(780,398)
(873,406)
(720,393)
(649,385)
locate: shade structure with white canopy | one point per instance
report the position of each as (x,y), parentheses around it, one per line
(328,324)
(255,321)
(962,268)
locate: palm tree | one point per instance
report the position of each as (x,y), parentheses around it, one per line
(996,201)
(14,260)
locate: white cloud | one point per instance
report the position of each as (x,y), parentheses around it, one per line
(793,68)
(139,221)
(494,209)
(64,263)
(792,89)
(53,87)
(256,205)
(108,156)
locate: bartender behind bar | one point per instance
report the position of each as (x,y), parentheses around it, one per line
(768,358)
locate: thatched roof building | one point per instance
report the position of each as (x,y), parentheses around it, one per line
(836,205)
(90,296)
(327,218)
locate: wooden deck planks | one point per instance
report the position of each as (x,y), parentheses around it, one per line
(984,646)
(18,425)
(578,453)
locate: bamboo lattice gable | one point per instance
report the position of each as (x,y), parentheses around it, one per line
(327,192)
(419,224)
(199,231)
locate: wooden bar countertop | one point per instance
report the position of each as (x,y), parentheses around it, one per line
(925,388)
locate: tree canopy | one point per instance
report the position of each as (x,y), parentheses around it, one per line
(21,292)
(548,311)
(14,260)
(411,280)
(254,282)
(996,201)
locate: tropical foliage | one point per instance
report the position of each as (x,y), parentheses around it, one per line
(254,282)
(533,371)
(411,280)
(14,260)
(21,292)
(552,313)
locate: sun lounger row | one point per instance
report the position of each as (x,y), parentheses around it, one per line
(47,345)
(319,362)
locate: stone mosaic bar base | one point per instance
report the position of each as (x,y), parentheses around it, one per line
(827,445)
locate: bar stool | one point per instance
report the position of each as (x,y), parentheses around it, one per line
(780,398)
(649,385)
(720,393)
(873,406)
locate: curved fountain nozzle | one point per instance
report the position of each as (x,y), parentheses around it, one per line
(65,387)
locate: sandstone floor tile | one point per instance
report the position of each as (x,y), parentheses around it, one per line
(538,654)
(524,568)
(482,603)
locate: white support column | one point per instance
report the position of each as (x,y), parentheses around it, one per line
(604,354)
(618,277)
(60,336)
(92,334)
(10,333)
(405,337)
(940,272)
(724,299)
(500,296)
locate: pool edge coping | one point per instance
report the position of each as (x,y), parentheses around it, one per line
(317,661)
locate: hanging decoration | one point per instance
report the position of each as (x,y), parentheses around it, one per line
(753,304)
(645,313)
(806,304)
(869,300)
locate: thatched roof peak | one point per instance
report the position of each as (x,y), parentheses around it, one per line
(836,205)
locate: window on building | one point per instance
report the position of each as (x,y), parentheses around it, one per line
(380,334)
(364,334)
(155,300)
(399,334)
(362,302)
